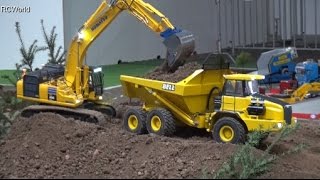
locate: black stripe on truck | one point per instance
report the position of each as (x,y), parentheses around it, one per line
(287,108)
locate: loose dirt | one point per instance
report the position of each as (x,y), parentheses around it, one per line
(51,146)
(181,73)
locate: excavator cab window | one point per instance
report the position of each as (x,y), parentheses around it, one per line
(96,83)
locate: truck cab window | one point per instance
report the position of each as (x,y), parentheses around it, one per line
(233,88)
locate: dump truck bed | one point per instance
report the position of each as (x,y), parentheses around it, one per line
(189,95)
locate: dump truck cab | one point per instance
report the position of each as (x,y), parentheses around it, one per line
(236,90)
(240,107)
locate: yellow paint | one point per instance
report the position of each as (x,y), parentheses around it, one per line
(156,123)
(133,122)
(244,77)
(226,134)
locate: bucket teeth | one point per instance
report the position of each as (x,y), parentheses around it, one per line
(179,47)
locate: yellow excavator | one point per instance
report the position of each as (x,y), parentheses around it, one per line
(76,89)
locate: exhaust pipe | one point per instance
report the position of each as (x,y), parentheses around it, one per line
(180,45)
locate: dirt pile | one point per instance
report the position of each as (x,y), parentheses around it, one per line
(181,73)
(50,146)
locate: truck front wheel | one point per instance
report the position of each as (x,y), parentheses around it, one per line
(229,130)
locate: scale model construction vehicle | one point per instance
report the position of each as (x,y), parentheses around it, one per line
(212,98)
(277,65)
(77,85)
(306,82)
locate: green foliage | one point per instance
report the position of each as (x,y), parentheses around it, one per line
(28,54)
(16,75)
(243,58)
(245,163)
(10,107)
(55,57)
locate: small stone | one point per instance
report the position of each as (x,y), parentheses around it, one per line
(140,173)
(67,136)
(25,145)
(127,148)
(123,154)
(37,144)
(149,141)
(95,153)
(106,171)
(67,157)
(37,166)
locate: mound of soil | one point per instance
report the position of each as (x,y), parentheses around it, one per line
(181,73)
(51,146)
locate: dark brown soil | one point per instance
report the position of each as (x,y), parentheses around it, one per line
(50,146)
(181,73)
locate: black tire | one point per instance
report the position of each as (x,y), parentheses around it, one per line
(108,110)
(135,121)
(226,126)
(161,122)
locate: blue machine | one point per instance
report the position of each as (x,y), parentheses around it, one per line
(307,72)
(277,65)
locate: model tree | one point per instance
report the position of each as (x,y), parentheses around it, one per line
(55,57)
(28,54)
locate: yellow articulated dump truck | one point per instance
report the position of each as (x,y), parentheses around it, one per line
(212,98)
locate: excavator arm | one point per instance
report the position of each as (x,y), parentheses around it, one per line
(179,43)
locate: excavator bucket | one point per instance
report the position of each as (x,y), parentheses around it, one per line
(180,46)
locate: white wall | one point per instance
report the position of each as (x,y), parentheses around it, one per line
(127,39)
(48,10)
(243,22)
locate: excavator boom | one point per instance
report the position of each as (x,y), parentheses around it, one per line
(180,43)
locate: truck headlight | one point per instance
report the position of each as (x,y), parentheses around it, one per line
(100,97)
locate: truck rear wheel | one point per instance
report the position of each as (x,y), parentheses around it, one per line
(229,130)
(135,121)
(161,122)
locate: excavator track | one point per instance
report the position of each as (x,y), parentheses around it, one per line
(81,114)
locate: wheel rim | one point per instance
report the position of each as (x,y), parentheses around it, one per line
(155,123)
(133,122)
(226,133)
